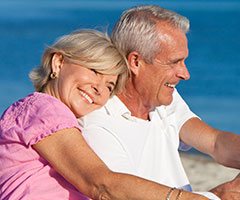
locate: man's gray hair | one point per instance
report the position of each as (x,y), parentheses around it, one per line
(136,29)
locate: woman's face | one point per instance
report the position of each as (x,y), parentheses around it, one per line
(81,89)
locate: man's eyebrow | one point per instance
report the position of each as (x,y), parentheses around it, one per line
(178,59)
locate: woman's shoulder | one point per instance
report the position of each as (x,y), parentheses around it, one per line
(36,116)
(35,105)
(33,100)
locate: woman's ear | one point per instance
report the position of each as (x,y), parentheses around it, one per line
(134,60)
(57,62)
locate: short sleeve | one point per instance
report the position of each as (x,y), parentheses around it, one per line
(182,114)
(37,116)
(47,116)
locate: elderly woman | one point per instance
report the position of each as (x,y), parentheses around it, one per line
(42,152)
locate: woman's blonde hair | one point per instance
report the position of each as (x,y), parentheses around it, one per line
(89,48)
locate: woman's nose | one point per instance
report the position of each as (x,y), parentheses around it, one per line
(98,88)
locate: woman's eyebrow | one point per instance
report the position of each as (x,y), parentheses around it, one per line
(112,83)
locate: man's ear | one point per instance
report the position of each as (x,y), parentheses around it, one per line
(57,62)
(134,60)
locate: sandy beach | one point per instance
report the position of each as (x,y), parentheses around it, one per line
(204,173)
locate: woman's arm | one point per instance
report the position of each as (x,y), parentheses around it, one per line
(69,154)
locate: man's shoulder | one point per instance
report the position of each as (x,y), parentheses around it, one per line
(103,115)
(113,107)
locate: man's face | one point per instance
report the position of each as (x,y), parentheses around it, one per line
(156,81)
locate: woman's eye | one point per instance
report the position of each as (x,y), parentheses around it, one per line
(93,70)
(110,89)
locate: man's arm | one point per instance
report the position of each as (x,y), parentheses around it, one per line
(70,155)
(224,147)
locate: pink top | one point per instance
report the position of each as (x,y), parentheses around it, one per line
(23,173)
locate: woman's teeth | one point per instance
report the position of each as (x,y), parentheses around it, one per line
(88,98)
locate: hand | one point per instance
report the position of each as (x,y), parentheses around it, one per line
(229,190)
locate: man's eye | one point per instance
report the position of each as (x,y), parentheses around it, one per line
(175,62)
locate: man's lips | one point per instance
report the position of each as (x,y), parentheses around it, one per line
(170,85)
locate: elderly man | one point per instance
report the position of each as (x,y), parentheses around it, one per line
(140,130)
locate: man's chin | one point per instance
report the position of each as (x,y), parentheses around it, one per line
(167,102)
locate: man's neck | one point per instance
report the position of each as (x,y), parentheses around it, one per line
(135,103)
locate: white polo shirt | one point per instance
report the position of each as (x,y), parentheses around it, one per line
(148,149)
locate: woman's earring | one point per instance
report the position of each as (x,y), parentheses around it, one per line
(53,75)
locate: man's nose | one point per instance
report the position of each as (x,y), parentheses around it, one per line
(183,72)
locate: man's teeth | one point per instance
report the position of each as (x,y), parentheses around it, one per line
(86,97)
(170,85)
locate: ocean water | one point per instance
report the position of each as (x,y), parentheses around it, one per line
(27,26)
